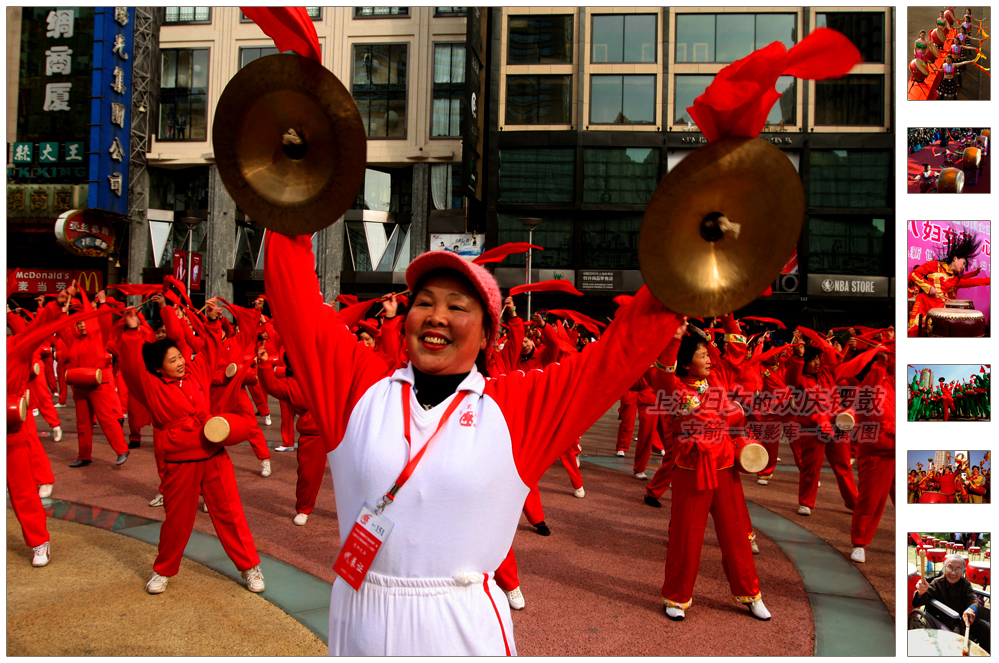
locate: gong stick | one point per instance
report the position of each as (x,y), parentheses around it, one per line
(967,634)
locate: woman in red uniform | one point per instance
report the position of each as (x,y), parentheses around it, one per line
(705,479)
(176,393)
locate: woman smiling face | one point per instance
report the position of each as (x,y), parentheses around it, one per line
(444,327)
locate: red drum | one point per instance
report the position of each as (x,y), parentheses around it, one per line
(958,546)
(936,555)
(933,497)
(17,412)
(919,70)
(950,17)
(913,580)
(84,377)
(251,378)
(280,372)
(227,429)
(988,554)
(976,490)
(938,36)
(951,180)
(975,550)
(846,420)
(750,456)
(955,323)
(911,303)
(933,50)
(971,159)
(987,133)
(36,368)
(231,370)
(980,573)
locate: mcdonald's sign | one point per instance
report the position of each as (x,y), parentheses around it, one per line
(28,281)
(90,280)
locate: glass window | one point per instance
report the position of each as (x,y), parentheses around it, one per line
(183,95)
(449,89)
(849,178)
(611,243)
(622,99)
(620,176)
(729,37)
(540,39)
(379,88)
(865,29)
(554,235)
(380,12)
(689,87)
(446,186)
(450,11)
(846,244)
(539,99)
(624,38)
(544,175)
(856,100)
(315,13)
(248,55)
(188,15)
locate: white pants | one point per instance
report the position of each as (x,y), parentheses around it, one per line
(420,617)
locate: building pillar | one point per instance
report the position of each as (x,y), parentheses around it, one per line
(419,240)
(329,259)
(221,237)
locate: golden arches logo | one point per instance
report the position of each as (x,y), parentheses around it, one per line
(89,281)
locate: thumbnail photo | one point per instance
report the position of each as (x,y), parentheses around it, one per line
(949,160)
(950,53)
(949,392)
(949,477)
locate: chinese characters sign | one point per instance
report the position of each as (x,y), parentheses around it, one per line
(85,233)
(52,281)
(110,109)
(924,239)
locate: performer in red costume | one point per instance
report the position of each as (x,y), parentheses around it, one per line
(936,281)
(947,399)
(176,392)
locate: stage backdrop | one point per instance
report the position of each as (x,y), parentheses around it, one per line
(924,236)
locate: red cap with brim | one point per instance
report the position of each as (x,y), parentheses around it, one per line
(483,282)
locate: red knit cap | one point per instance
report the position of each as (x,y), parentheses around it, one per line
(482,281)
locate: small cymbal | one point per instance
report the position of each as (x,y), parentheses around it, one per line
(289,144)
(720,226)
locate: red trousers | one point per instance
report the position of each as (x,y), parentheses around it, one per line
(215,480)
(688,521)
(627,409)
(41,467)
(532,506)
(23,492)
(287,424)
(41,398)
(948,405)
(256,439)
(102,402)
(138,418)
(876,476)
(648,436)
(311,467)
(48,370)
(812,453)
(259,399)
(569,463)
(160,461)
(664,475)
(506,575)
(61,374)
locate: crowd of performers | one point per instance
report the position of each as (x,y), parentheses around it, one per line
(954,43)
(956,481)
(958,399)
(702,393)
(933,284)
(959,139)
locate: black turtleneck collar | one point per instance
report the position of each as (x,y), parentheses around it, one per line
(431,390)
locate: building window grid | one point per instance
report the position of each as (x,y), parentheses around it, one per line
(380,90)
(865,29)
(642,58)
(248,54)
(540,39)
(381,12)
(183,95)
(785,107)
(450,11)
(315,13)
(541,100)
(846,244)
(712,56)
(856,100)
(448,90)
(188,15)
(645,111)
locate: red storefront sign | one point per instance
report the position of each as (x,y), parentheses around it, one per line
(181,264)
(791,266)
(52,281)
(85,233)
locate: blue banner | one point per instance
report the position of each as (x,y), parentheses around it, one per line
(111,109)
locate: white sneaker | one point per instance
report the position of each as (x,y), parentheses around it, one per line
(267,420)
(755,548)
(515,598)
(45,490)
(57,433)
(620,454)
(577,461)
(301,518)
(157,501)
(641,476)
(675,614)
(265,468)
(284,448)
(820,484)
(254,579)
(759,611)
(763,482)
(204,507)
(858,555)
(35,412)
(579,492)
(662,453)
(157,584)
(60,405)
(42,555)
(778,459)
(804,511)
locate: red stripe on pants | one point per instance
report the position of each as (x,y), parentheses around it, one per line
(99,401)
(876,485)
(688,521)
(215,480)
(311,467)
(23,493)
(838,453)
(485,586)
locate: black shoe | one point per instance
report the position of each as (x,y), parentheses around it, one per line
(121,459)
(543,529)
(651,501)
(80,463)
(134,444)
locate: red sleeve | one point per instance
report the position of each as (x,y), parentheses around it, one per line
(133,368)
(331,367)
(175,331)
(792,371)
(549,345)
(272,384)
(665,380)
(547,410)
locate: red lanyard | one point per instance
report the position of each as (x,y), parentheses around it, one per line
(415,460)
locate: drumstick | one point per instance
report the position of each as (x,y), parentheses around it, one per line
(967,635)
(922,564)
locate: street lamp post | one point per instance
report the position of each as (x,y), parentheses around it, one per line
(530,223)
